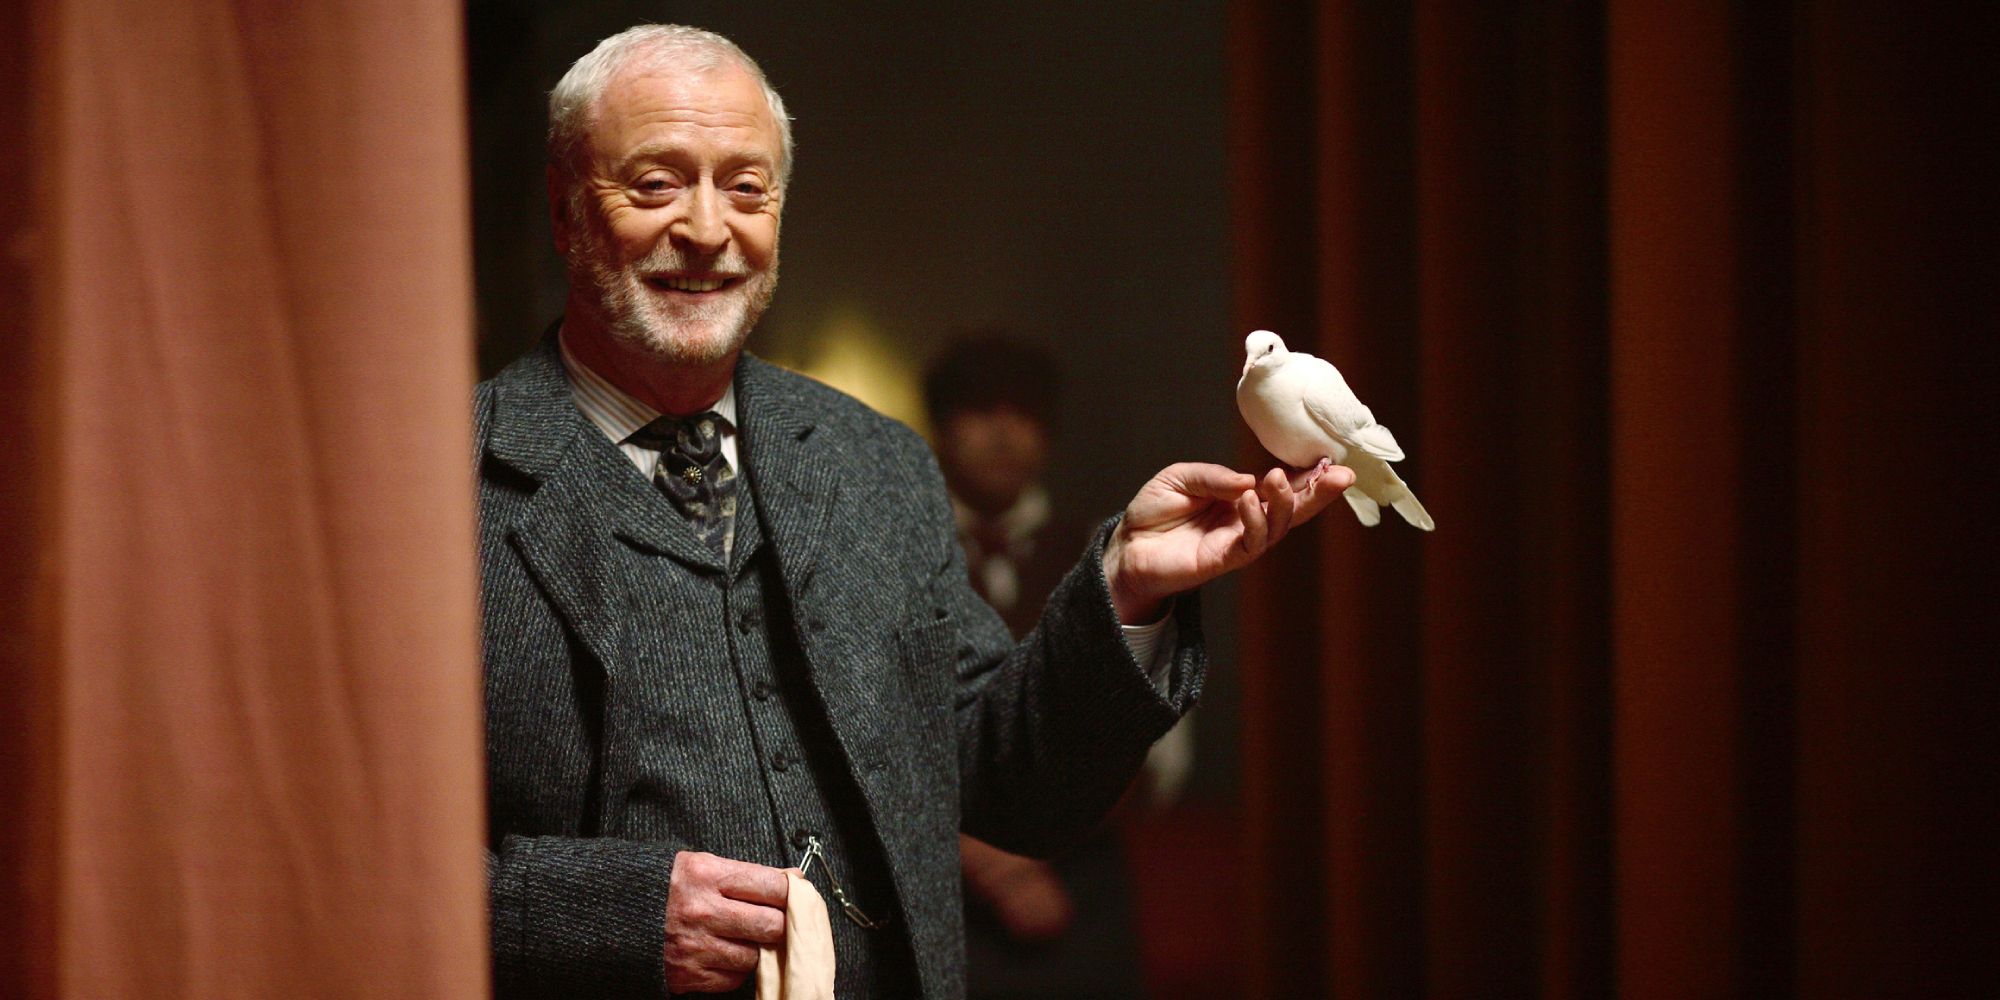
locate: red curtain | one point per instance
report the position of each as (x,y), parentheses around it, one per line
(241,747)
(1675,309)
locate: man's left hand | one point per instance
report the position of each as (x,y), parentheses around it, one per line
(1194,522)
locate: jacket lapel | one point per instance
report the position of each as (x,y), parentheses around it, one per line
(797,467)
(588,496)
(794,466)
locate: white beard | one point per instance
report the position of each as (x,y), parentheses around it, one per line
(641,316)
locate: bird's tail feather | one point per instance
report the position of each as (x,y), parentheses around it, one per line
(1414,512)
(1364,506)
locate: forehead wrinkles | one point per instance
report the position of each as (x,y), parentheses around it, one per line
(724,104)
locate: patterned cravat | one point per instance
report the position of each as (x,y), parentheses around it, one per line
(694,475)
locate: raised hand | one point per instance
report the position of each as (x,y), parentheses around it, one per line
(1194,522)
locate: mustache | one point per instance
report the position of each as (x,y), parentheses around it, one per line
(591,251)
(667,258)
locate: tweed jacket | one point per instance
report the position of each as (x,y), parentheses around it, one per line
(942,721)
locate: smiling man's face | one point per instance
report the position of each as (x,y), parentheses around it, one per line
(671,232)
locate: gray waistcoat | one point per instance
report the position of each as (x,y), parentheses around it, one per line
(719,704)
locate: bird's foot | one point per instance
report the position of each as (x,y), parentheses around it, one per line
(1305,479)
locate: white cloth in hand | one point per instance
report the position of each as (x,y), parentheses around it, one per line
(802,967)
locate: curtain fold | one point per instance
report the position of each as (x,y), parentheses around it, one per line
(252,657)
(1669,704)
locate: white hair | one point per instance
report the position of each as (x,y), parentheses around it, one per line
(573,102)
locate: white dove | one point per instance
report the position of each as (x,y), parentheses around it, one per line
(1304,413)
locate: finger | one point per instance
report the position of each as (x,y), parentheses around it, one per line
(1256,530)
(750,883)
(1279,503)
(700,962)
(750,922)
(1321,495)
(725,956)
(1215,482)
(681,981)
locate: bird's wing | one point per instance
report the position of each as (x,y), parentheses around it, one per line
(1340,414)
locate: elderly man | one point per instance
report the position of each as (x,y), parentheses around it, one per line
(727,622)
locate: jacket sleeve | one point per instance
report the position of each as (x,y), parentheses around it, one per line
(579,916)
(1051,730)
(574,916)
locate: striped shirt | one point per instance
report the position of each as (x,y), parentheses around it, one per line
(618,414)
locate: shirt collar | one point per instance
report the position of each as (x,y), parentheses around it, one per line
(616,412)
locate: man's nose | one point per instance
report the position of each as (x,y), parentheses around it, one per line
(701,226)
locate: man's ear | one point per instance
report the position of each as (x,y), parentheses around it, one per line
(558,208)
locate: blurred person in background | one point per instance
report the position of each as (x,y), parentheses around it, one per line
(1063,927)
